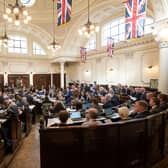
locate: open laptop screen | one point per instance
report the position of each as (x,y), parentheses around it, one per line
(108,111)
(85,106)
(75,115)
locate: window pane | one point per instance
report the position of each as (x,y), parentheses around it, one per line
(37,49)
(148,23)
(113,29)
(17,44)
(17,50)
(91,45)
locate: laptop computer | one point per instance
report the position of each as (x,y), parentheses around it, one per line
(85,106)
(75,115)
(111,113)
(108,111)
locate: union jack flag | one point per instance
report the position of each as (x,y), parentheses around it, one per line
(110,46)
(135,14)
(64,11)
(83,54)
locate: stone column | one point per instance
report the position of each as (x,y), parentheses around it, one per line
(62,74)
(31,78)
(5,78)
(163,80)
(51,80)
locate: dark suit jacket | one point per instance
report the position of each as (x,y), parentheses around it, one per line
(142,114)
(163,106)
(107,105)
(143,96)
(115,101)
(155,110)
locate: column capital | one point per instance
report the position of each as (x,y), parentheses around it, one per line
(62,62)
(160,31)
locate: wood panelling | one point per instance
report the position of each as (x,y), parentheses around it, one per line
(1,81)
(57,80)
(18,80)
(42,80)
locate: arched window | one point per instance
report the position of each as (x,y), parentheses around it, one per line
(17,44)
(114,29)
(91,44)
(148,22)
(37,49)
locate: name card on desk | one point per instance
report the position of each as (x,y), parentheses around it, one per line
(31,106)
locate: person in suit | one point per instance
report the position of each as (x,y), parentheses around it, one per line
(143,94)
(154,104)
(108,102)
(91,116)
(115,100)
(141,109)
(163,101)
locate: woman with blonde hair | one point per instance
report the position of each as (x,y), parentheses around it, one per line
(123,113)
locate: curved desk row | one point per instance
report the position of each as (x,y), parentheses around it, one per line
(134,143)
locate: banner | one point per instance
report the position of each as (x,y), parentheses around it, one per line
(83,54)
(64,8)
(110,46)
(135,14)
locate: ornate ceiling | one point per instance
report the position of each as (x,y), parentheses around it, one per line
(100,11)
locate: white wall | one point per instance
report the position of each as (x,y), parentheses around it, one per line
(129,66)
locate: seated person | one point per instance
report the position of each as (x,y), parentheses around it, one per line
(94,104)
(163,101)
(79,106)
(73,103)
(140,109)
(91,118)
(123,113)
(149,95)
(63,117)
(115,100)
(58,106)
(107,101)
(154,104)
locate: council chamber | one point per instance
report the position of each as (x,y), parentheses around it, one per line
(83,83)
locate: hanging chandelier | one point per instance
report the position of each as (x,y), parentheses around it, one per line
(16,14)
(54,46)
(4,39)
(89,28)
